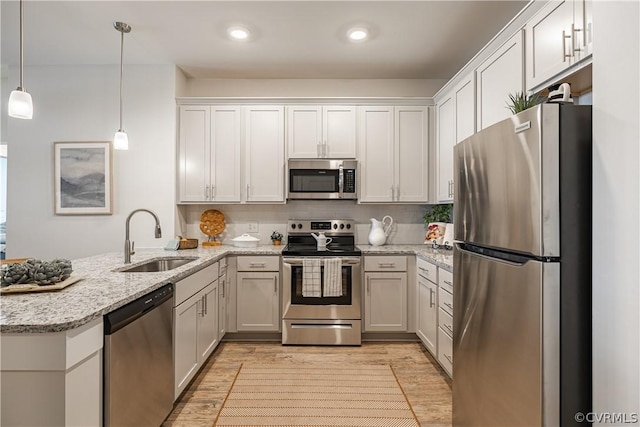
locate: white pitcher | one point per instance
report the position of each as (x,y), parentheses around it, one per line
(380,230)
(322,240)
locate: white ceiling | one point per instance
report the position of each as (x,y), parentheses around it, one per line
(291,39)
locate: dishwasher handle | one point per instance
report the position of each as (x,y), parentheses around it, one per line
(126,314)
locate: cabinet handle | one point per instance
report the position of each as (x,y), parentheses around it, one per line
(318,152)
(213,192)
(223,290)
(204,303)
(449,328)
(206,192)
(448,305)
(397,192)
(324,149)
(275,287)
(431,297)
(564,46)
(386,264)
(574,30)
(257,264)
(393,194)
(447,282)
(448,358)
(368,286)
(247,191)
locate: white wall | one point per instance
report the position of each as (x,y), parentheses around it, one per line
(80,103)
(616,188)
(313,87)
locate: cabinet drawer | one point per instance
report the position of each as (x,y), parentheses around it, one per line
(445,322)
(445,352)
(385,263)
(258,263)
(194,283)
(445,280)
(445,300)
(427,270)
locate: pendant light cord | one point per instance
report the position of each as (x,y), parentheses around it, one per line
(121,67)
(21,45)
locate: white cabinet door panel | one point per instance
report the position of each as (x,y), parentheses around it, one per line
(194,153)
(375,135)
(208,321)
(185,342)
(339,132)
(385,302)
(226,144)
(411,154)
(445,116)
(304,131)
(428,314)
(465,102)
(258,302)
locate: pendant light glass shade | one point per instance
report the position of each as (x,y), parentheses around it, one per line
(20,103)
(121,140)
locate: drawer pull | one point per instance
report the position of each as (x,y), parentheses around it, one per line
(448,305)
(448,358)
(386,264)
(257,264)
(431,292)
(449,328)
(447,282)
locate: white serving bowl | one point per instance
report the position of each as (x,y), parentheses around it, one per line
(245,241)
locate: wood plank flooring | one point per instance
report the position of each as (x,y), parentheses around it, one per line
(427,387)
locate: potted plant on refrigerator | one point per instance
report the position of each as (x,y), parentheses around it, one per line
(276,238)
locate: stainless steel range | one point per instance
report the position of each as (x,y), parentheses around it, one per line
(321,288)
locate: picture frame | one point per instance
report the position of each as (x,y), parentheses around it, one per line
(83,178)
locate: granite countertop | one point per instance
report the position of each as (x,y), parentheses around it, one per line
(103,288)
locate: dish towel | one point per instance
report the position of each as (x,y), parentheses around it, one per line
(311,280)
(332,277)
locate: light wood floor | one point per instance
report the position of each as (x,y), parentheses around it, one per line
(427,387)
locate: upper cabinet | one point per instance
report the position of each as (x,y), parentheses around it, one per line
(321,132)
(559,36)
(264,153)
(393,154)
(499,75)
(209,153)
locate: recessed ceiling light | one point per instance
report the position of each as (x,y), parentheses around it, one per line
(358,34)
(238,33)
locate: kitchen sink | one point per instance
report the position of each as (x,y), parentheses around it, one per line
(161,264)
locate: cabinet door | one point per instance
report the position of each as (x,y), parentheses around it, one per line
(339,132)
(208,322)
(194,157)
(222,306)
(465,105)
(428,314)
(411,154)
(258,301)
(264,135)
(549,42)
(385,306)
(304,131)
(498,76)
(445,117)
(583,28)
(225,146)
(375,136)
(185,338)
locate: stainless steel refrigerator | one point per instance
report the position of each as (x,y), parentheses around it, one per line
(522,270)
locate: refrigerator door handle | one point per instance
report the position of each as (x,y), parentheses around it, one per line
(461,248)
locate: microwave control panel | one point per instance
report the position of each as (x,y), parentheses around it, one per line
(349,181)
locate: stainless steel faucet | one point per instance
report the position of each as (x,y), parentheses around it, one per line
(128,246)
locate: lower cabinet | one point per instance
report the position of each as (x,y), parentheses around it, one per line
(258,294)
(385,294)
(195,325)
(428,314)
(223,299)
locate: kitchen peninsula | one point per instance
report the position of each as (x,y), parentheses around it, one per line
(52,342)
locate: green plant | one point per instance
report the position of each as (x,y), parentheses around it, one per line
(438,213)
(521,101)
(276,235)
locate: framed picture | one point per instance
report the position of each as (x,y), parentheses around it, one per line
(82,178)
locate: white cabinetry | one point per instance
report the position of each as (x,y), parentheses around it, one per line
(498,76)
(264,153)
(321,131)
(209,153)
(445,320)
(393,145)
(195,327)
(427,329)
(223,299)
(385,301)
(258,293)
(445,116)
(557,37)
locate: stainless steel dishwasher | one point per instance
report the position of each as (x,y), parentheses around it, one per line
(138,361)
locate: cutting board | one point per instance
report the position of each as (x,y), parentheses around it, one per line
(32,287)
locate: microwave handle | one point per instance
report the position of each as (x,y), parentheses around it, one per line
(341,182)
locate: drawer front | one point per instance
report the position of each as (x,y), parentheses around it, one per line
(258,263)
(427,270)
(190,285)
(385,263)
(445,352)
(445,280)
(445,300)
(445,322)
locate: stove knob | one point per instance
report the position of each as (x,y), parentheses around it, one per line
(341,226)
(293,226)
(335,226)
(300,226)
(348,226)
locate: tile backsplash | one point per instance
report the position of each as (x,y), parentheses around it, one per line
(408,226)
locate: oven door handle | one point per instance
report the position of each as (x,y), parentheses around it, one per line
(298,261)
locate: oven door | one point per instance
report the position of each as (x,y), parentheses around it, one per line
(296,306)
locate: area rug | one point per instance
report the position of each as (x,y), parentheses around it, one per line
(316,395)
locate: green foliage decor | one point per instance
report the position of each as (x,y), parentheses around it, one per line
(522,101)
(276,235)
(438,213)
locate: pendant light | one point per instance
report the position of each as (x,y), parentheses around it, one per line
(120,140)
(20,104)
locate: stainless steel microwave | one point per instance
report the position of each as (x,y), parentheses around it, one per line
(322,179)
